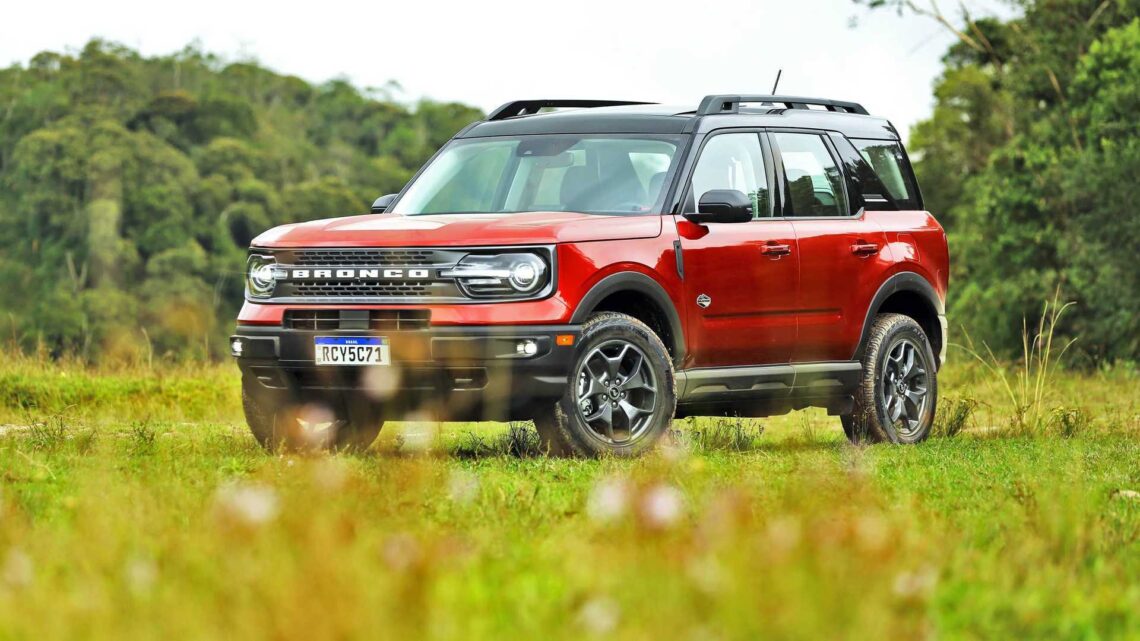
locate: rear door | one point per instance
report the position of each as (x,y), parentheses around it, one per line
(842,253)
(739,278)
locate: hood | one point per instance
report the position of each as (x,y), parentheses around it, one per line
(442,230)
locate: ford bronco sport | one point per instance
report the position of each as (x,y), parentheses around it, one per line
(604,269)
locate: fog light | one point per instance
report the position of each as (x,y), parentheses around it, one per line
(236,347)
(527,348)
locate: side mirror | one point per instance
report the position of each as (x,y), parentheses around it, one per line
(383,203)
(722,206)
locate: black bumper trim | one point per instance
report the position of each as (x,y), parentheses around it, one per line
(461,372)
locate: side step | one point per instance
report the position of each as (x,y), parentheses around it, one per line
(705,383)
(768,389)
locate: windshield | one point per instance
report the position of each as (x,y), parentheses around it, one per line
(590,174)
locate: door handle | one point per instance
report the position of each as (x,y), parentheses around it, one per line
(861,248)
(775,250)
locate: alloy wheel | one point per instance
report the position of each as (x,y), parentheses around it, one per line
(905,387)
(616,392)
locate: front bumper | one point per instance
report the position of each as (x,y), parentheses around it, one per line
(452,372)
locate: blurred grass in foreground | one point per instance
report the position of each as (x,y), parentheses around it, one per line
(134,504)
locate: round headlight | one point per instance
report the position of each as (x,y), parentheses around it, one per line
(526,273)
(513,275)
(261,275)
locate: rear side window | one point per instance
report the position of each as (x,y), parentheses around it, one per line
(814,182)
(887,159)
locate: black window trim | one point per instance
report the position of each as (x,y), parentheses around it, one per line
(825,134)
(775,192)
(908,170)
(857,184)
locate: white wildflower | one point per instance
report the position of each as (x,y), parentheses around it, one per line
(330,474)
(599,615)
(462,487)
(872,532)
(917,584)
(783,535)
(401,552)
(248,504)
(661,506)
(609,500)
(18,570)
(141,574)
(381,383)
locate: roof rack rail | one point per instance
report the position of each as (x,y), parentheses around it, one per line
(530,107)
(719,104)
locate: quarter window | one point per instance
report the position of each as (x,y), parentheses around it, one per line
(732,161)
(886,157)
(814,182)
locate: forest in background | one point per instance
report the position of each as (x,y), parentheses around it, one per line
(1031,160)
(130,186)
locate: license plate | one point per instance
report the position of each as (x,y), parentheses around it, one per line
(351,350)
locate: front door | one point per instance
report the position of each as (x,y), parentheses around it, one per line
(740,279)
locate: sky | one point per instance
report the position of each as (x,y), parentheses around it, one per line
(486,54)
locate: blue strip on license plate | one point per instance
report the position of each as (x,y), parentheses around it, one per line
(350,340)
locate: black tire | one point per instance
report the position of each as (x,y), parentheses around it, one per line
(275,426)
(880,394)
(550,437)
(563,427)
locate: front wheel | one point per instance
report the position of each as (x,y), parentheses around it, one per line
(621,393)
(896,398)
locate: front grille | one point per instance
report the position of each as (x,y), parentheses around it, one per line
(382,275)
(381,320)
(404,287)
(333,289)
(366,257)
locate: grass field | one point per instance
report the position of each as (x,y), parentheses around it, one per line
(134,505)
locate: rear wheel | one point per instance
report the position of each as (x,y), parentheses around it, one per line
(621,394)
(899,389)
(309,427)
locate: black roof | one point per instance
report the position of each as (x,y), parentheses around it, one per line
(715,112)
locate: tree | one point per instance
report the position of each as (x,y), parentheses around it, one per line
(1030,160)
(130,187)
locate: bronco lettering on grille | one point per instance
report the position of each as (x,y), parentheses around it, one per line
(374,274)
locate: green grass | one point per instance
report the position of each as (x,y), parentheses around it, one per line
(133,504)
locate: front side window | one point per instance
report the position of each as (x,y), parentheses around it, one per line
(814,182)
(732,161)
(587,174)
(886,157)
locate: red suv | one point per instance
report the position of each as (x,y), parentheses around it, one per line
(604,269)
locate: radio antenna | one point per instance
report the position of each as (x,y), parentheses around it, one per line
(777,83)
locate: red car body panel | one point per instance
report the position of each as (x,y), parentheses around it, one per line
(918,244)
(751,318)
(582,261)
(451,230)
(842,263)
